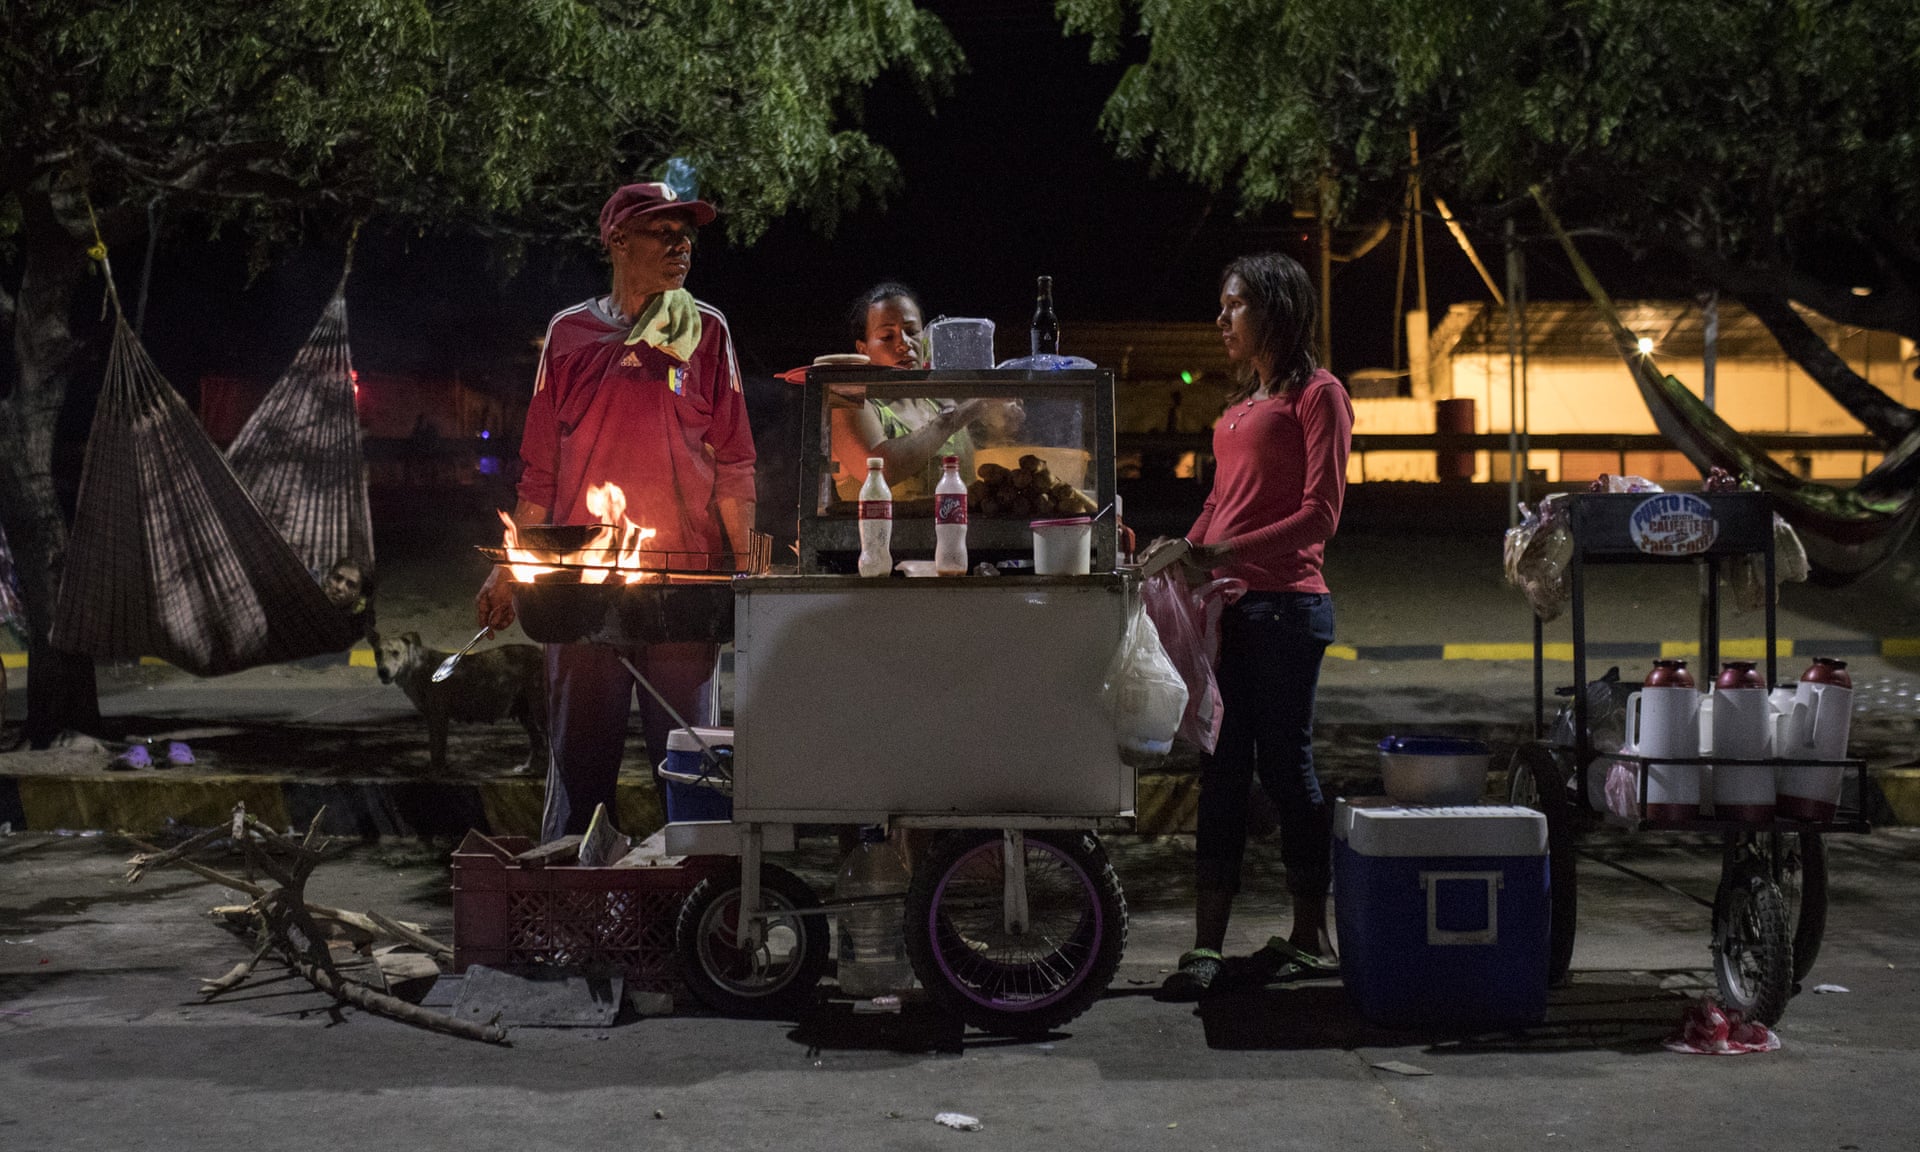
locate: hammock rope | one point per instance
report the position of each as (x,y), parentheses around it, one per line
(169,556)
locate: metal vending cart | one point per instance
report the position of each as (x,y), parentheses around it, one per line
(1769,911)
(973,706)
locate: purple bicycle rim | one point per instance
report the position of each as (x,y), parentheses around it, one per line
(1080,975)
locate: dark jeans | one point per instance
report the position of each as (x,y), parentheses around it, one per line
(589,697)
(1270,649)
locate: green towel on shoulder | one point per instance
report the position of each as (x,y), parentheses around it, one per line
(671,323)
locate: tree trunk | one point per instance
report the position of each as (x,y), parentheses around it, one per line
(1887,419)
(61,692)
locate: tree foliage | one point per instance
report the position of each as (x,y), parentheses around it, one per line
(1768,146)
(508,112)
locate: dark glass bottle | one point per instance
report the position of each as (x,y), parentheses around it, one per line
(1046,329)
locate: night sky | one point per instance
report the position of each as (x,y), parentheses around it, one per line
(1007,178)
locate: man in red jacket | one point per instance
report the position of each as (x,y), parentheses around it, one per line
(638,388)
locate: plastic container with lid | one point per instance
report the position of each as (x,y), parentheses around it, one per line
(696,789)
(1063,547)
(1434,769)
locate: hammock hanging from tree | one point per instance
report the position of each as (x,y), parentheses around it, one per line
(169,555)
(299,454)
(1847,531)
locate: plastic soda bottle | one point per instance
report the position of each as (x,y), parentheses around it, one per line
(950,521)
(876,521)
(872,937)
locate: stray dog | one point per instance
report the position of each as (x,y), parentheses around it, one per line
(487,684)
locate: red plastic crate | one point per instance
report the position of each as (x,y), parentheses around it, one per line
(622,919)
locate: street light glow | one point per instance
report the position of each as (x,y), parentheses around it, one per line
(1646,345)
(1863,290)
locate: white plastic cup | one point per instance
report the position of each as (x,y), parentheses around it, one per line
(1063,547)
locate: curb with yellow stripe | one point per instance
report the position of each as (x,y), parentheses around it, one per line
(147,802)
(1738,648)
(356,657)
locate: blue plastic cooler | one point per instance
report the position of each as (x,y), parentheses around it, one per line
(685,772)
(1442,913)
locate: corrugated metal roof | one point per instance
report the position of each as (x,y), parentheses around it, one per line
(1573,328)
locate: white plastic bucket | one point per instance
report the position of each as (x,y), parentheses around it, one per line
(1063,547)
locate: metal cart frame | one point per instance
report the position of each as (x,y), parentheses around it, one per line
(1770,906)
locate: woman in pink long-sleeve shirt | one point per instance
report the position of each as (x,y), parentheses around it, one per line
(1281,453)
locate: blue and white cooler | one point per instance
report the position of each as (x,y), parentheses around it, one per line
(1442,912)
(696,789)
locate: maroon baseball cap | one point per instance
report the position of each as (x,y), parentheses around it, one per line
(637,200)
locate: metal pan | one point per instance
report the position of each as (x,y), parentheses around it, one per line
(567,613)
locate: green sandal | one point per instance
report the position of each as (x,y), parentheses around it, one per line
(1195,976)
(1283,959)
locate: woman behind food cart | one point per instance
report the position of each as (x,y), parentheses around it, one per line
(1281,450)
(910,435)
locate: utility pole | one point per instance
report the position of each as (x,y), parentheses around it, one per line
(1513,376)
(1419,361)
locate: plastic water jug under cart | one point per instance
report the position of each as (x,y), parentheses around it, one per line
(873,946)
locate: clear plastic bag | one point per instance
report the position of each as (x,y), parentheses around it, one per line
(1144,690)
(1746,579)
(1536,555)
(1188,622)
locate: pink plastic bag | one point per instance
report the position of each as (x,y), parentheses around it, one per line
(1188,620)
(1707,1029)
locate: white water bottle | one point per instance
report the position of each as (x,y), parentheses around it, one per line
(873,948)
(950,521)
(876,521)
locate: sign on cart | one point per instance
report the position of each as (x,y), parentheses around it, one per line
(1673,524)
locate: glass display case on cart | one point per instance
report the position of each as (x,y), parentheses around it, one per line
(1064,422)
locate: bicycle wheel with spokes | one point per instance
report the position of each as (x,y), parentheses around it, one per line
(1800,861)
(1752,943)
(1016,983)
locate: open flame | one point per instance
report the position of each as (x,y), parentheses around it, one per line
(614,550)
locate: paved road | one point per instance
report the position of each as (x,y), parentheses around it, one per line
(103,1043)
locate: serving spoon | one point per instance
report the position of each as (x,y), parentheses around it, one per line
(446,666)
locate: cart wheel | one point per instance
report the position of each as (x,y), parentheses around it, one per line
(1752,943)
(1016,985)
(1802,867)
(1536,779)
(777,978)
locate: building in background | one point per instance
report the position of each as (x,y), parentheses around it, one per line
(1175,378)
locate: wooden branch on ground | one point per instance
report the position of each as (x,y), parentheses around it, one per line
(292,926)
(418,939)
(358,925)
(382,1004)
